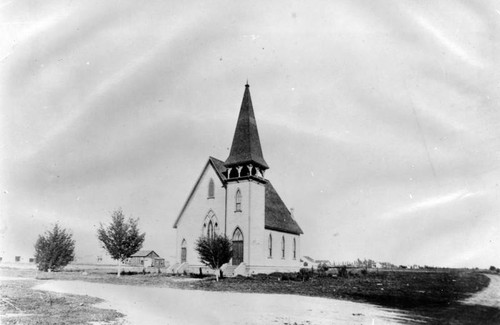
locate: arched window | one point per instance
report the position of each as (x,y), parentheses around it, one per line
(282,246)
(211,189)
(270,245)
(210,225)
(237,247)
(183,251)
(210,229)
(294,249)
(237,236)
(238,200)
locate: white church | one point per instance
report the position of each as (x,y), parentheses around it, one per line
(232,197)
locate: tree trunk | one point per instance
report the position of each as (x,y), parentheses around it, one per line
(217,274)
(119,268)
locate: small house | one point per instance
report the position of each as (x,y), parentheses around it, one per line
(146,258)
(309,262)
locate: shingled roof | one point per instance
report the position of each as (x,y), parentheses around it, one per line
(278,217)
(143,253)
(245,148)
(219,168)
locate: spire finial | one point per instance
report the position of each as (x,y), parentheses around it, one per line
(247,85)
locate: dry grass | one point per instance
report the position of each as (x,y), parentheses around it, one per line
(431,296)
(23,305)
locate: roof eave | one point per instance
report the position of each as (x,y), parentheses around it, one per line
(299,232)
(209,162)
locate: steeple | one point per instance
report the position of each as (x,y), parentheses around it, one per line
(246,150)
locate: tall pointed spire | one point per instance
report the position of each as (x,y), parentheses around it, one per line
(246,147)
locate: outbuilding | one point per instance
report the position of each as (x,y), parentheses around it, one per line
(146,258)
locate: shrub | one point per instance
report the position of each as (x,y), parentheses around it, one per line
(214,251)
(333,272)
(322,267)
(492,268)
(54,250)
(305,274)
(343,272)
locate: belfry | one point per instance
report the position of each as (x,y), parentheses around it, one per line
(233,197)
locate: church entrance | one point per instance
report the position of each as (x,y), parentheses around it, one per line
(237,247)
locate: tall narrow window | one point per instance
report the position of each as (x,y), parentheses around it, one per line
(283,247)
(294,249)
(183,251)
(211,189)
(238,200)
(210,230)
(270,245)
(237,247)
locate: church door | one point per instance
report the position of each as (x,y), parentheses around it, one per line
(237,247)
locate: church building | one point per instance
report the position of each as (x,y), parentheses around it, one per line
(232,197)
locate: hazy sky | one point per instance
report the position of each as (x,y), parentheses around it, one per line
(380,120)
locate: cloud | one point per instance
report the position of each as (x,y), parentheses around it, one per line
(131,100)
(430,203)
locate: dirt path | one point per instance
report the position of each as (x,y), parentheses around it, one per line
(146,305)
(489,296)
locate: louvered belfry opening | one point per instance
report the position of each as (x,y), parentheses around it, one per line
(245,157)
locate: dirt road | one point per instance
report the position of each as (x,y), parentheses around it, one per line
(489,296)
(146,305)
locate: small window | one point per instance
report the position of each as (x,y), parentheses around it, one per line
(294,249)
(270,245)
(211,189)
(283,247)
(238,201)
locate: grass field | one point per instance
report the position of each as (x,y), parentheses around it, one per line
(433,297)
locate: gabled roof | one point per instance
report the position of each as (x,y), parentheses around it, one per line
(219,168)
(246,148)
(144,253)
(278,217)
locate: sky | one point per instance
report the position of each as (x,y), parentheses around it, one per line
(379,120)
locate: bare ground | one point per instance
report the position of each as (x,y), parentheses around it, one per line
(444,297)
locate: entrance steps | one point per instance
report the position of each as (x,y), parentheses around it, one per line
(229,270)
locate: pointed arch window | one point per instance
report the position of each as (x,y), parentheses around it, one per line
(237,247)
(210,225)
(211,189)
(270,245)
(282,246)
(294,249)
(238,201)
(237,235)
